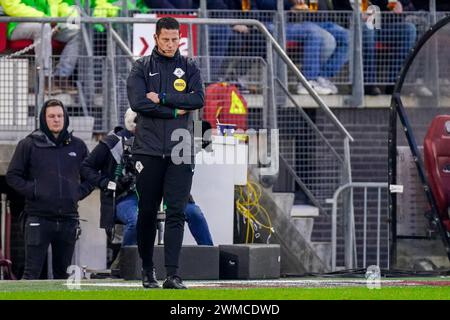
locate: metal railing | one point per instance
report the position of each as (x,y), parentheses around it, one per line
(102,94)
(272,44)
(356,236)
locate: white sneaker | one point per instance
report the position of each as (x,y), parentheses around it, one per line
(326,83)
(316,86)
(421,89)
(444,87)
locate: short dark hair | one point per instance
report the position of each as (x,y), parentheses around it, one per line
(54,103)
(167,23)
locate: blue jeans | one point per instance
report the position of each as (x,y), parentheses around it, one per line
(400,38)
(325,47)
(197,225)
(340,56)
(126,213)
(318,46)
(43,51)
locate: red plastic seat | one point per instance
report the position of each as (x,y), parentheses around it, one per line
(21,44)
(436,149)
(3,40)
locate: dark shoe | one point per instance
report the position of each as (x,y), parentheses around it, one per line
(372,90)
(173,282)
(149,279)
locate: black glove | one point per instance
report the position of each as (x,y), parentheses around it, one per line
(103,185)
(110,233)
(124,183)
(206,134)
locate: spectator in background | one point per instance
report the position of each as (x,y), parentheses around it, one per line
(67,33)
(184,4)
(441,5)
(369,60)
(45,169)
(325,45)
(399,36)
(99,9)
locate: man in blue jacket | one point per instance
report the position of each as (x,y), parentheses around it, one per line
(45,169)
(163,88)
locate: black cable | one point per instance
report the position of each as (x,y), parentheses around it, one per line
(385,273)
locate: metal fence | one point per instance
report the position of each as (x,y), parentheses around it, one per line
(99,94)
(321,44)
(328,54)
(98,91)
(360,235)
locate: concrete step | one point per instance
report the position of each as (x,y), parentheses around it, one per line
(304,226)
(304,210)
(284,201)
(323,250)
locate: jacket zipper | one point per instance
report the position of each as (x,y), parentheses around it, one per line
(164,122)
(59,177)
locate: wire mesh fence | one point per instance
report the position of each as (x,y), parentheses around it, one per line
(16,94)
(385,49)
(318,165)
(321,44)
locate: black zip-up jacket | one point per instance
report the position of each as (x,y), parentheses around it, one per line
(48,175)
(177,81)
(100,167)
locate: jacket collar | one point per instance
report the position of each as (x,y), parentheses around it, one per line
(157,55)
(41,140)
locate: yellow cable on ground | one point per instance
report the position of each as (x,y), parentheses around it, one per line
(249,207)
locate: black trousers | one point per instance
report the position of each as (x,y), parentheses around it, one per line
(39,234)
(159,178)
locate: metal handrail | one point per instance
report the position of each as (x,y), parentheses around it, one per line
(350,240)
(206,21)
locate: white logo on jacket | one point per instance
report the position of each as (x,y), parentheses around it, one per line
(72,154)
(179,72)
(139,166)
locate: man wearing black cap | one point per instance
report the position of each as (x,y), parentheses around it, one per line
(45,169)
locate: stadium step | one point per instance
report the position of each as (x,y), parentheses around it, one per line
(323,250)
(298,255)
(283,200)
(304,226)
(304,211)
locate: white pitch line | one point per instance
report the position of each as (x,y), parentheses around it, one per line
(250,283)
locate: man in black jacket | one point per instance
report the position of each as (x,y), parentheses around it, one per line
(163,88)
(45,169)
(107,167)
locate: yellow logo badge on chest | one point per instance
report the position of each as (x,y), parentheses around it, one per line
(179,84)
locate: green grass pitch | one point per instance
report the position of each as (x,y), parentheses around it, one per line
(131,290)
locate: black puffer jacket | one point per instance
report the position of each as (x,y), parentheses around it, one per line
(177,81)
(47,173)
